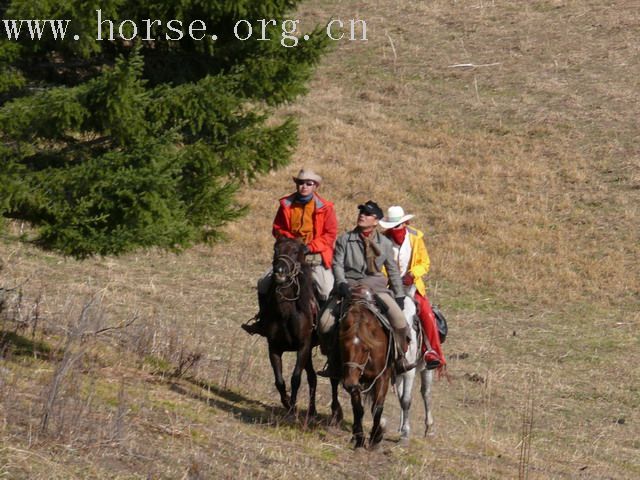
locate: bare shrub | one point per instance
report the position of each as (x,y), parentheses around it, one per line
(73,350)
(70,409)
(164,345)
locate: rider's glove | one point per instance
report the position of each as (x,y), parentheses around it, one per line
(344,290)
(400,302)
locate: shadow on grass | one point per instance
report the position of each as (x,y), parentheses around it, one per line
(248,410)
(13,344)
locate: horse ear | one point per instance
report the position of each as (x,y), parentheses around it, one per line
(280,239)
(277,243)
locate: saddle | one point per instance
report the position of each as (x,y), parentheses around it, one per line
(367,297)
(363,295)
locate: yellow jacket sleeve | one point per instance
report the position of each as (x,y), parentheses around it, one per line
(420,262)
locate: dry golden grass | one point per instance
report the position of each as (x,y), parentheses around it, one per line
(523,172)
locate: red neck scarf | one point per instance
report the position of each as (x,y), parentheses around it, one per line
(397,234)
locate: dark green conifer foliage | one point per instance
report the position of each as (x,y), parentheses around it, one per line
(108,146)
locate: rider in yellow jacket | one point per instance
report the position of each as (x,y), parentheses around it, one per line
(420,262)
(413,262)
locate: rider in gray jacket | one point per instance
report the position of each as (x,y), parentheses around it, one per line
(359,258)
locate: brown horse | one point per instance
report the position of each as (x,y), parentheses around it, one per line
(290,316)
(367,357)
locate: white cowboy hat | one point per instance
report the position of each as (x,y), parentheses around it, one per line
(395,216)
(306,174)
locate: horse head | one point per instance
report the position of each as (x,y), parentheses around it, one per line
(360,345)
(355,354)
(288,258)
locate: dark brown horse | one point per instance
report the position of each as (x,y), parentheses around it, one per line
(366,356)
(290,316)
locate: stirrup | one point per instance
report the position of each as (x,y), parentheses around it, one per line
(432,360)
(403,366)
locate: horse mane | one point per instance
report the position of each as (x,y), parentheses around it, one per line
(307,297)
(358,322)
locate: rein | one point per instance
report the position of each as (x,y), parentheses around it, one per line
(294,270)
(386,365)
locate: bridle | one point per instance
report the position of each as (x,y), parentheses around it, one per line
(359,366)
(293,269)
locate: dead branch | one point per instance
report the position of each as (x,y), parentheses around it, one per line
(469,66)
(122,326)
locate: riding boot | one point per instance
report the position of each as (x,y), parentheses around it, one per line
(431,357)
(402,339)
(259,326)
(329,347)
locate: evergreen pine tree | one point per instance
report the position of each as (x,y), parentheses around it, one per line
(107,146)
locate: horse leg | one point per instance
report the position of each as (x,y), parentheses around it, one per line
(312,380)
(336,410)
(425,391)
(358,413)
(379,394)
(302,359)
(404,387)
(276,363)
(400,390)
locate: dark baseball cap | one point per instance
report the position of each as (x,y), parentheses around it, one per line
(371,208)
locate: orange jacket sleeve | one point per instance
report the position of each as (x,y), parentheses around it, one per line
(281,222)
(326,239)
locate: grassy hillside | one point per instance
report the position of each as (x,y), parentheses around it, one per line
(510,130)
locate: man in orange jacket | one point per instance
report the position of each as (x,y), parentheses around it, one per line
(413,260)
(305,215)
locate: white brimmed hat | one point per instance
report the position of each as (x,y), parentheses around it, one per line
(306,174)
(395,216)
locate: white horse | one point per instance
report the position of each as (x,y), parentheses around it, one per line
(404,382)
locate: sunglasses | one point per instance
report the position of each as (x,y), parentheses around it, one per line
(308,183)
(367,214)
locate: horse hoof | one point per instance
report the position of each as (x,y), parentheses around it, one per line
(292,412)
(383,424)
(403,442)
(374,447)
